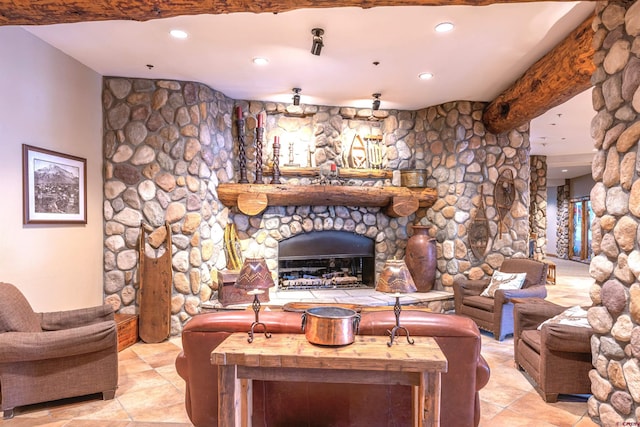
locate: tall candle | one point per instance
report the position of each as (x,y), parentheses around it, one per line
(260,120)
(276,141)
(239,112)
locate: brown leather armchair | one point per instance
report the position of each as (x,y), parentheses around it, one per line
(50,356)
(557,357)
(495,315)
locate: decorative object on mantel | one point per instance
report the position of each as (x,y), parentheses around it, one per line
(252,199)
(276,160)
(291,157)
(259,139)
(242,157)
(357,155)
(156,281)
(374,152)
(479,230)
(255,277)
(396,279)
(504,193)
(421,257)
(413,178)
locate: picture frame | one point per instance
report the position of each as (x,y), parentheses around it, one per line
(54,187)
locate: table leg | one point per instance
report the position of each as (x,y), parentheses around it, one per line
(428,396)
(229,399)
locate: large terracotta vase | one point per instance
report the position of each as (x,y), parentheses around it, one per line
(420,257)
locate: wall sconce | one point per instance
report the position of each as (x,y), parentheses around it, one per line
(376,101)
(317,45)
(296,95)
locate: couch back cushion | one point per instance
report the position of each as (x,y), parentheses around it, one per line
(16,314)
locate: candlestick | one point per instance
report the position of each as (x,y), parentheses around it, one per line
(276,160)
(242,157)
(259,137)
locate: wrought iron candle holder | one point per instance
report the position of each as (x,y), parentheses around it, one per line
(242,156)
(259,139)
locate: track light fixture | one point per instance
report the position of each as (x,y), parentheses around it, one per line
(317,45)
(376,101)
(296,95)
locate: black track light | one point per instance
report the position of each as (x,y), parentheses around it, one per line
(376,101)
(296,95)
(318,44)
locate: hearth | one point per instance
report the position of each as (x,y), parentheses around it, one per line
(326,260)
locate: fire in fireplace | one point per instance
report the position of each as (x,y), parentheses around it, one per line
(326,260)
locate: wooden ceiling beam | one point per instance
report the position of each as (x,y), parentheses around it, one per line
(556,78)
(45,12)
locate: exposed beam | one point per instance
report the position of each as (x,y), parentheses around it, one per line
(44,12)
(557,77)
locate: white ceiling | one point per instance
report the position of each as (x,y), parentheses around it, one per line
(490,47)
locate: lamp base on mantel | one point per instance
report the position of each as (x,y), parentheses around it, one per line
(396,310)
(256,310)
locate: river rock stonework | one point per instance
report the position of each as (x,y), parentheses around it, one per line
(538,206)
(615,198)
(562,232)
(166,146)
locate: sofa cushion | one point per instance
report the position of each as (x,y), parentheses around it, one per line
(16,314)
(532,339)
(500,280)
(484,303)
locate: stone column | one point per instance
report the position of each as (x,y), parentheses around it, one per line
(562,232)
(538,206)
(615,198)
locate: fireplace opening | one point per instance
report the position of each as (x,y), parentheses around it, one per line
(326,260)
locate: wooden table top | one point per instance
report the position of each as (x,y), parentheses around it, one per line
(366,353)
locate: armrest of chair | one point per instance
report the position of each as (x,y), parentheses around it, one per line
(571,339)
(471,287)
(502,296)
(483,372)
(30,346)
(59,320)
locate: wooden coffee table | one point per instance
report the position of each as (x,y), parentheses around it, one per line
(290,357)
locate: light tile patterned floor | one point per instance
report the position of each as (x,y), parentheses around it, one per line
(151,394)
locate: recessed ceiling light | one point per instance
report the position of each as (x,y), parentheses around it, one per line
(444,27)
(178,34)
(260,61)
(565,170)
(425,76)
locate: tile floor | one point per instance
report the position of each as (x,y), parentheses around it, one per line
(151,394)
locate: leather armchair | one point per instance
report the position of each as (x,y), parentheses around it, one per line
(495,315)
(557,357)
(50,356)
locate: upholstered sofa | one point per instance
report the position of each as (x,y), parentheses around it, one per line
(346,405)
(556,356)
(56,355)
(495,314)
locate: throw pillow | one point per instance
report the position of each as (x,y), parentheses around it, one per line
(573,316)
(500,280)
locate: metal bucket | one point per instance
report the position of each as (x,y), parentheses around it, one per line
(330,325)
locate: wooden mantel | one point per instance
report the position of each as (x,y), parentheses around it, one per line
(253,199)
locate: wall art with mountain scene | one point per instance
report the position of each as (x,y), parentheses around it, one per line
(54,187)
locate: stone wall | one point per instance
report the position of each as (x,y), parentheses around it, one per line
(562,232)
(615,198)
(538,206)
(167,144)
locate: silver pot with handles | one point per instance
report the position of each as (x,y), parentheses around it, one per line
(330,325)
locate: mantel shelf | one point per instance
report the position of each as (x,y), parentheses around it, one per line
(253,199)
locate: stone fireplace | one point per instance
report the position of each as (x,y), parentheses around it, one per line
(326,260)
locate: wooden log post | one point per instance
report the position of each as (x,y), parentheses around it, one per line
(402,206)
(252,203)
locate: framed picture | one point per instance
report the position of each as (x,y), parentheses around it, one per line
(54,187)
